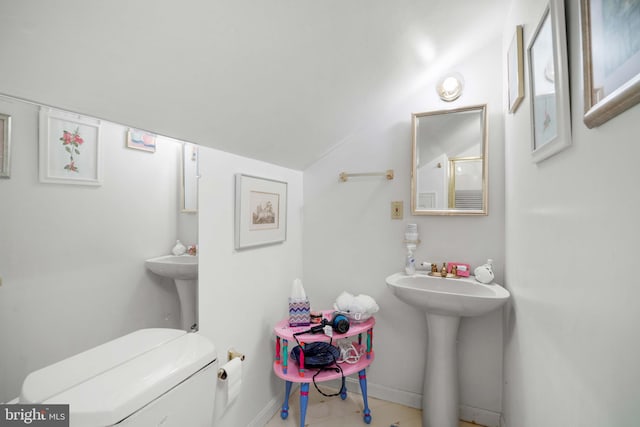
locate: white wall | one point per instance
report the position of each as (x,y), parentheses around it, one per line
(572,345)
(352,244)
(158,64)
(244,293)
(72,257)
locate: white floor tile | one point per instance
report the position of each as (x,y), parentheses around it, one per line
(334,412)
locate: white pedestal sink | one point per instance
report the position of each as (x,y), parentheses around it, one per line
(183,270)
(444,301)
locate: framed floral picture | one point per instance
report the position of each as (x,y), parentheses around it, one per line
(549,84)
(610,58)
(261,211)
(70,149)
(5,146)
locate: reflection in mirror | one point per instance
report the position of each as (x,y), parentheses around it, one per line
(190,175)
(72,257)
(449,167)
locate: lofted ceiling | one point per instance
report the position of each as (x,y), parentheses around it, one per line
(282,81)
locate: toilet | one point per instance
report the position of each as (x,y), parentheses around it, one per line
(150,377)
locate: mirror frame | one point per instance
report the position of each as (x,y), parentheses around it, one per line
(482,108)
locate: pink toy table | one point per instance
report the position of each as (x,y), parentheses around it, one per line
(291,373)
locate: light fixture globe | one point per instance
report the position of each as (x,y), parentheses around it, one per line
(450,87)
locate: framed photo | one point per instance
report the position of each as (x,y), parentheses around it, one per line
(261,211)
(5,146)
(515,70)
(141,140)
(549,84)
(611,58)
(70,148)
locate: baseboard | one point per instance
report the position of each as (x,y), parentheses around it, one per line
(272,407)
(414,400)
(479,416)
(401,397)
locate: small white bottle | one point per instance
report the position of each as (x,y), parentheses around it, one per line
(410,264)
(484,273)
(178,249)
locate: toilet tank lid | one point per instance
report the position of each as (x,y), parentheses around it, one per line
(107,383)
(51,380)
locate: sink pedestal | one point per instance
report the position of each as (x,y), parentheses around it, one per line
(188,295)
(183,269)
(444,301)
(440,394)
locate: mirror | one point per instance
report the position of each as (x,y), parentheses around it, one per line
(449,166)
(72,256)
(190,175)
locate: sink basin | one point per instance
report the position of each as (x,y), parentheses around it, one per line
(444,302)
(453,297)
(183,270)
(175,267)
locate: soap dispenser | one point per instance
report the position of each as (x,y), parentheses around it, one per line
(410,264)
(411,240)
(484,273)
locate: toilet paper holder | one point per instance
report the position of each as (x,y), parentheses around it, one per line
(231,354)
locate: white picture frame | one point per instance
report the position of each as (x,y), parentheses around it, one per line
(70,148)
(141,140)
(5,146)
(260,211)
(549,84)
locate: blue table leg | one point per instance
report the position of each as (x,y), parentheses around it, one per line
(343,392)
(304,399)
(362,375)
(284,413)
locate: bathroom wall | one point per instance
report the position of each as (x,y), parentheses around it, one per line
(242,294)
(72,257)
(572,345)
(351,244)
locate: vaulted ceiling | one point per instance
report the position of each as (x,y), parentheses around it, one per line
(282,81)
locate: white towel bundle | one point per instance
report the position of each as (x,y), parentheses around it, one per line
(359,307)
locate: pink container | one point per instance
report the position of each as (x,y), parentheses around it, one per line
(461,273)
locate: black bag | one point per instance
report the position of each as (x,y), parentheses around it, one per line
(316,355)
(322,356)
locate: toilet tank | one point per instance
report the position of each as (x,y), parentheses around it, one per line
(151,377)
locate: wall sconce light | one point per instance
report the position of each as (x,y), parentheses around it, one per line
(450,87)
